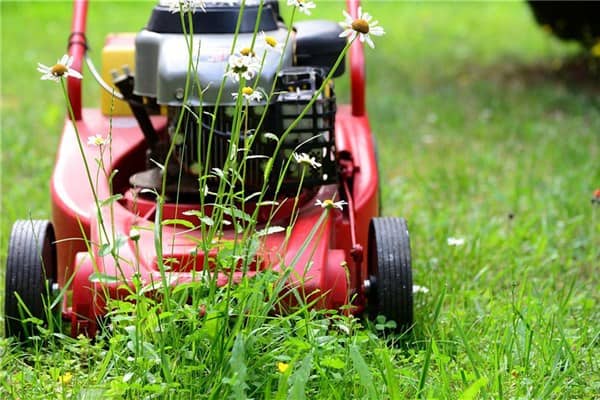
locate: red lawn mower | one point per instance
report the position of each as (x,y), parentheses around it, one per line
(358,261)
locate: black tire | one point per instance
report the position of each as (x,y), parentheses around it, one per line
(30,274)
(390,276)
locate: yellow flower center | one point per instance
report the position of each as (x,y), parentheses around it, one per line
(282,367)
(59,70)
(195,168)
(360,26)
(328,203)
(271,41)
(596,49)
(247,51)
(66,378)
(247,91)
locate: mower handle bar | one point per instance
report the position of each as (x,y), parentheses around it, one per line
(77,47)
(356,59)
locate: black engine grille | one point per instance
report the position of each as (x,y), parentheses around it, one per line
(199,150)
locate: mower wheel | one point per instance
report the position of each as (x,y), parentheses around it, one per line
(389,287)
(30,273)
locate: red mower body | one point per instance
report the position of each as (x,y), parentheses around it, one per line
(75,221)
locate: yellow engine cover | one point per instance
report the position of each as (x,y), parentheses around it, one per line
(118,51)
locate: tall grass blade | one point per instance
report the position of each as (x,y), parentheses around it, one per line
(365,376)
(300,377)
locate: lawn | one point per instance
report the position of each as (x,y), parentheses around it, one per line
(488,131)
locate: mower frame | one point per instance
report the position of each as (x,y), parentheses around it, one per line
(341,269)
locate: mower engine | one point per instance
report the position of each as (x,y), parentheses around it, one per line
(182,69)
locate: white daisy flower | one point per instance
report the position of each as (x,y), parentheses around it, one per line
(329,204)
(420,289)
(362,27)
(271,43)
(455,241)
(245,66)
(249,94)
(62,68)
(305,159)
(97,140)
(183,6)
(303,5)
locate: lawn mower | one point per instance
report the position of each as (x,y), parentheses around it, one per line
(359,262)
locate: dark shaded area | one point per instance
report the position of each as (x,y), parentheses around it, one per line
(570,20)
(580,73)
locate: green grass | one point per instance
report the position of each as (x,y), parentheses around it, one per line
(488,130)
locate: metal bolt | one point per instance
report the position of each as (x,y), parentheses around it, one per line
(367,285)
(179,94)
